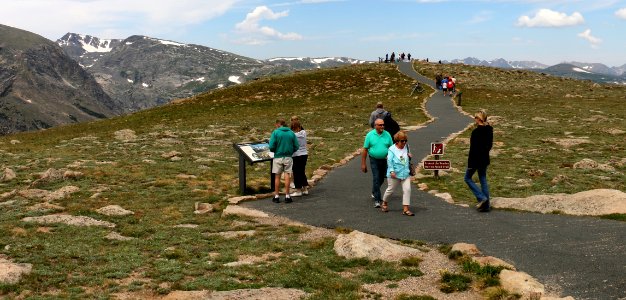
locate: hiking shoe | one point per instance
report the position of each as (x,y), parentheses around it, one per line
(276,199)
(288,200)
(377,204)
(481,204)
(296,194)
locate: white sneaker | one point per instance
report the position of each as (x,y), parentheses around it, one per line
(305,191)
(292,185)
(296,194)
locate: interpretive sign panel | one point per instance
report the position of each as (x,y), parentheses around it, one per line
(255,152)
(436,165)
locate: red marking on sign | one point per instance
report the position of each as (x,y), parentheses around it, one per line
(436,148)
(436,165)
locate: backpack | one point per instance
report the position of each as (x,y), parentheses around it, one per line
(391,125)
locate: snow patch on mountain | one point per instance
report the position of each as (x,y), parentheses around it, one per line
(234,79)
(581,70)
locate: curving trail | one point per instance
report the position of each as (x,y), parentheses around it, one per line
(582,257)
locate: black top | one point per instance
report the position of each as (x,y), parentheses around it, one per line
(480,144)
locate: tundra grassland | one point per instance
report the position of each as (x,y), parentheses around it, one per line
(177,155)
(543,126)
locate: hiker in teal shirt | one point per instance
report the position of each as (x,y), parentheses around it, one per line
(283,143)
(376,146)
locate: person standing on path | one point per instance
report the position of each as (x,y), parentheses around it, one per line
(398,173)
(283,143)
(378,113)
(481,142)
(299,160)
(376,146)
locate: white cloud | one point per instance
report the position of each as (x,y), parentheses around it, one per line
(621,13)
(52,19)
(594,41)
(549,18)
(257,34)
(481,17)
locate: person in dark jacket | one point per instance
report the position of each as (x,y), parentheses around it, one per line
(481,142)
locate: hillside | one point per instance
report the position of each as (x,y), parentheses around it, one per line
(545,130)
(41,87)
(157,163)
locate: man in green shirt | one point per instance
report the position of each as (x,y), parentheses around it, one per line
(376,146)
(283,143)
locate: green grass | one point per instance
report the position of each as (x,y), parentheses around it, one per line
(528,111)
(71,262)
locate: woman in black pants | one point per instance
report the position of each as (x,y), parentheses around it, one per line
(299,160)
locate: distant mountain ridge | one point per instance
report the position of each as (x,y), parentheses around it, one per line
(41,87)
(140,72)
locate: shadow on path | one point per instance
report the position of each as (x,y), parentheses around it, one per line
(583,257)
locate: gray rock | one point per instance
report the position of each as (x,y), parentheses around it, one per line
(11,273)
(361,245)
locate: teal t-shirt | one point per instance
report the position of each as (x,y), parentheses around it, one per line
(377,145)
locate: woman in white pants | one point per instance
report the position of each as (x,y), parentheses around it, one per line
(398,172)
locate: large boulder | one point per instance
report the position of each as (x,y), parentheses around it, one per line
(361,245)
(521,283)
(592,203)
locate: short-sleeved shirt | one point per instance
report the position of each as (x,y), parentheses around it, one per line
(377,145)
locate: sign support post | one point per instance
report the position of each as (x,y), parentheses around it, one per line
(252,153)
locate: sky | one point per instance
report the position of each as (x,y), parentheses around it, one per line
(547,31)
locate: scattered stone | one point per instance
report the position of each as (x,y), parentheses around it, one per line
(191,226)
(7,203)
(263,293)
(593,203)
(7,175)
(186,176)
(33,193)
(446,197)
(149,161)
(61,193)
(52,175)
(242,211)
(559,178)
(361,245)
(521,283)
(202,208)
(524,182)
(72,175)
(15,142)
(117,237)
(11,273)
(568,142)
(586,164)
(114,210)
(535,173)
(237,200)
(614,131)
(170,154)
(469,249)
(422,186)
(557,298)
(8,195)
(45,206)
(493,261)
(176,158)
(233,234)
(69,220)
(125,135)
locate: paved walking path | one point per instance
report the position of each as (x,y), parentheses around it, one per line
(583,257)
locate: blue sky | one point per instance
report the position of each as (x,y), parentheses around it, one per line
(549,32)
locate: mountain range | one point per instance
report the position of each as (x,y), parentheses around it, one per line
(82,77)
(40,86)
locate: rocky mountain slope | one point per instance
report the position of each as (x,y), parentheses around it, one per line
(40,86)
(142,72)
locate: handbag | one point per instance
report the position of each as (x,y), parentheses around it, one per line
(411,166)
